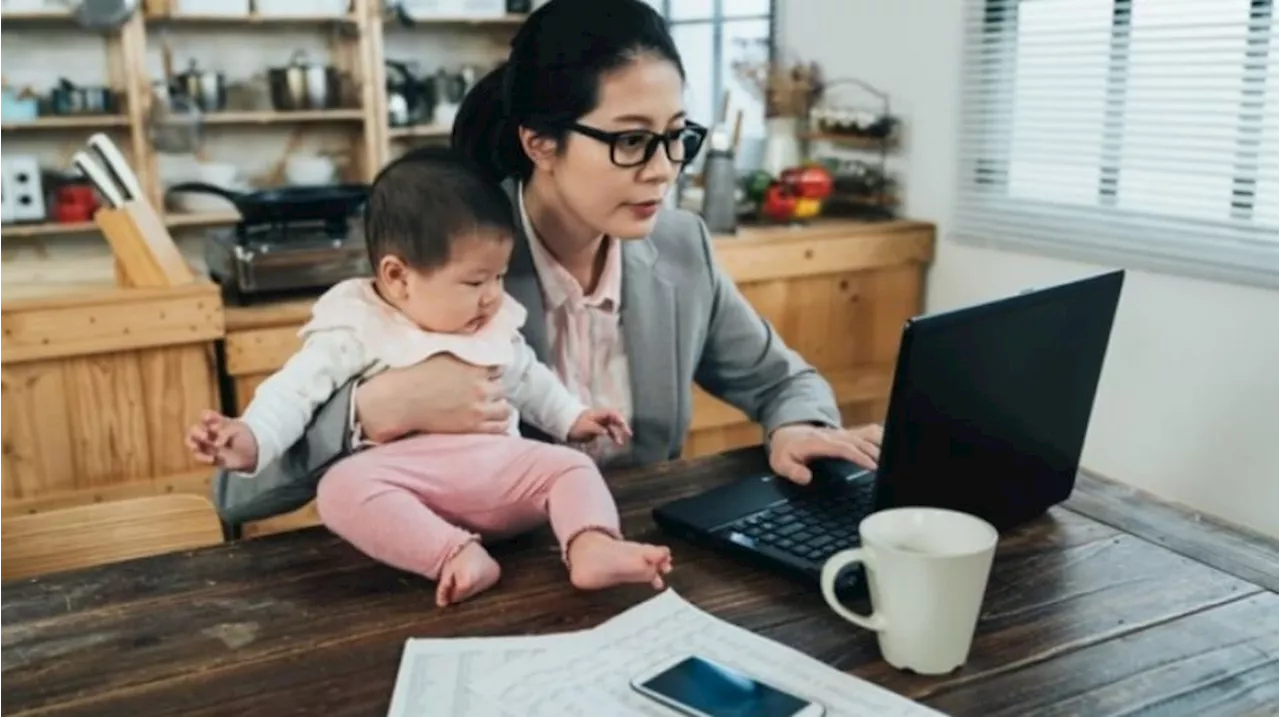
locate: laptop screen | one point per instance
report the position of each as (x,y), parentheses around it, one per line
(991,403)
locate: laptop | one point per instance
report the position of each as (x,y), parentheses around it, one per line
(987,415)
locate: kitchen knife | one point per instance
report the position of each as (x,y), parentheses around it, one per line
(100,179)
(116,165)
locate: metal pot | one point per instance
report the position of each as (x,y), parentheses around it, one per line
(104,14)
(410,99)
(68,98)
(303,85)
(450,86)
(205,88)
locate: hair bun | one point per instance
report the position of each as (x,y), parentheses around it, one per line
(552,75)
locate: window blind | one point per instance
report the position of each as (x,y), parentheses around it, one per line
(1132,132)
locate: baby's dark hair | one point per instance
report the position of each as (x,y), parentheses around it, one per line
(424,200)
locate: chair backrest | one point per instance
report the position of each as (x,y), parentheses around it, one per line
(108,532)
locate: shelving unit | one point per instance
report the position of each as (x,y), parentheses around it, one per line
(498,20)
(273,117)
(419,130)
(179,220)
(250,20)
(36,16)
(356,48)
(861,189)
(32,231)
(67,122)
(853,141)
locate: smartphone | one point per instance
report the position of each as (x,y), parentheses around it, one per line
(700,687)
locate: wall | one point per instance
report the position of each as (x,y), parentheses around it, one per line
(1187,405)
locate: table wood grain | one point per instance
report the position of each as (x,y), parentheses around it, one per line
(1113,603)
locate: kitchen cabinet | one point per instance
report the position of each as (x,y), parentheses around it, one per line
(98,388)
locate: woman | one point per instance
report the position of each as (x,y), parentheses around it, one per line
(585,126)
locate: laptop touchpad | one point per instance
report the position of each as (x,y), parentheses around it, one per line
(723,505)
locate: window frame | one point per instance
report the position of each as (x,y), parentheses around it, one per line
(717,21)
(984,184)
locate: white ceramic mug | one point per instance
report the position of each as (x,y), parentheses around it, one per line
(927,571)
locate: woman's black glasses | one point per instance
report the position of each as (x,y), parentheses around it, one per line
(635,147)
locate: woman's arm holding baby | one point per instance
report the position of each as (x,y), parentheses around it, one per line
(439,395)
(282,406)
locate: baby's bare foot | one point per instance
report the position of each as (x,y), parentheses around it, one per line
(468,573)
(599,561)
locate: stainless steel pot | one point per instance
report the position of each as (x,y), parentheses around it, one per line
(303,85)
(104,14)
(205,88)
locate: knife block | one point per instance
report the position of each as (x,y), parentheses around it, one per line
(145,253)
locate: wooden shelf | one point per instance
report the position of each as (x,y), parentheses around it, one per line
(172,220)
(273,117)
(48,229)
(66,122)
(250,20)
(33,16)
(509,19)
(854,141)
(419,130)
(202,219)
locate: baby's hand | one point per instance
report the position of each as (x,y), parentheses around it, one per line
(600,422)
(223,441)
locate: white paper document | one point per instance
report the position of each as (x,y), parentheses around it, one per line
(436,674)
(589,673)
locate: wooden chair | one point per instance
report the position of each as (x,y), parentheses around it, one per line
(107,532)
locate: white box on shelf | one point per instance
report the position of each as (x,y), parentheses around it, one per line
(477,9)
(229,8)
(293,8)
(26,5)
(23,192)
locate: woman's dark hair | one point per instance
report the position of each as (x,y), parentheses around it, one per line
(552,77)
(422,202)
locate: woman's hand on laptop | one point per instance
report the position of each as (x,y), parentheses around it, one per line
(791,447)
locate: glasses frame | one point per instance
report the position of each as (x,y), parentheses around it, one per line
(655,139)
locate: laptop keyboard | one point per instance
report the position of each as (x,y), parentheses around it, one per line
(812,527)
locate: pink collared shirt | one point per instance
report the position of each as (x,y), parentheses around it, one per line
(584,332)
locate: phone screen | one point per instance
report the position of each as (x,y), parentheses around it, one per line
(719,691)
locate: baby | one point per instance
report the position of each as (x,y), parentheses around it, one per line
(439,238)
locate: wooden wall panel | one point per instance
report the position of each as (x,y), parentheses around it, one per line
(177,385)
(37,430)
(37,329)
(825,248)
(847,323)
(89,422)
(304,517)
(98,391)
(244,388)
(108,418)
(260,350)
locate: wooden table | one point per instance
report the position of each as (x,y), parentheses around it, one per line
(1112,604)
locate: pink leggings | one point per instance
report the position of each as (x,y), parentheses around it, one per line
(415,503)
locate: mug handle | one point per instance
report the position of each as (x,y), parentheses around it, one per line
(831,570)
